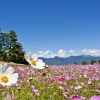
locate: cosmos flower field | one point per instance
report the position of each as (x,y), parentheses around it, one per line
(73,82)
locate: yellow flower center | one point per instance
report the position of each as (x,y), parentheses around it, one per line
(33,62)
(75,98)
(4,79)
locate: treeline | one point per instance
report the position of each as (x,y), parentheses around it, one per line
(84,62)
(10,49)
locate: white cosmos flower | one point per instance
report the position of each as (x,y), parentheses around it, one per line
(39,64)
(34,61)
(30,58)
(7,75)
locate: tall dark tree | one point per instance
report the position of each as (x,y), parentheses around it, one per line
(93,62)
(3,54)
(16,53)
(12,39)
(10,48)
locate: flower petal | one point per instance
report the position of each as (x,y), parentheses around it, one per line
(40,63)
(10,70)
(95,98)
(3,68)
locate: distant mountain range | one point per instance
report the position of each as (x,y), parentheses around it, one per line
(69,60)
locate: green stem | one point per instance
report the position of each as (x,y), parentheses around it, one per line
(24,90)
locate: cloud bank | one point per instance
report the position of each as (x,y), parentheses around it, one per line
(64,53)
(91,52)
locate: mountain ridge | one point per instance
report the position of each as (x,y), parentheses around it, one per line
(70,60)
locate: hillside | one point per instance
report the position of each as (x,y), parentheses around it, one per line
(69,60)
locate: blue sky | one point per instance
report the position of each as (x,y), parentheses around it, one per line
(53,24)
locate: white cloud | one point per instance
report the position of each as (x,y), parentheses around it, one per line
(50,54)
(71,51)
(64,53)
(61,53)
(45,54)
(91,52)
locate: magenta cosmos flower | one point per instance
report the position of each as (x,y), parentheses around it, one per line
(95,98)
(76,98)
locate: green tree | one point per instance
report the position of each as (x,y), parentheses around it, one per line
(84,62)
(12,39)
(16,53)
(93,62)
(10,49)
(3,44)
(99,61)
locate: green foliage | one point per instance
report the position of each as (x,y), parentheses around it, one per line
(84,62)
(10,49)
(75,63)
(93,62)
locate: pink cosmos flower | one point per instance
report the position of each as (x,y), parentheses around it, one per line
(95,98)
(35,90)
(76,98)
(89,82)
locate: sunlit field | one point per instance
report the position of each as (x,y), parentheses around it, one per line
(73,82)
(49,50)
